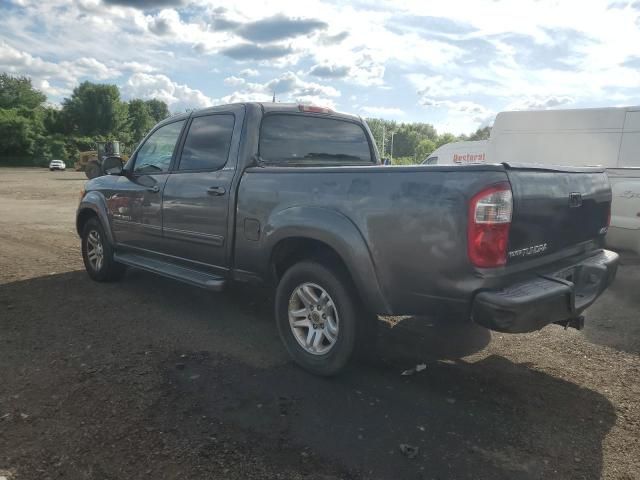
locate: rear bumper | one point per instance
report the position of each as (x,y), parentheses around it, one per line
(547,297)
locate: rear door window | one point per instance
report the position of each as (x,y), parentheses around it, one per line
(308,140)
(207,144)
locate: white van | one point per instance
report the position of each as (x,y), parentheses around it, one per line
(608,137)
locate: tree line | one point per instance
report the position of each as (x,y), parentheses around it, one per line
(413,142)
(33,131)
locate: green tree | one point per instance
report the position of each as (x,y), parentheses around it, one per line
(405,141)
(17,92)
(424,149)
(157,109)
(95,110)
(406,137)
(480,134)
(17,133)
(425,131)
(53,121)
(140,119)
(446,138)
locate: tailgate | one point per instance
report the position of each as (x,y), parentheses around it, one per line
(555,208)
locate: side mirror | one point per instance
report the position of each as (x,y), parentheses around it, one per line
(112,166)
(114,171)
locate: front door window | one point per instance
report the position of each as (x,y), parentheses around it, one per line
(156,153)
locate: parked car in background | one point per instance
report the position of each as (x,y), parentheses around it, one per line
(57,165)
(608,137)
(295,198)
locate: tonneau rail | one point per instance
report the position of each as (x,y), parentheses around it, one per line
(553,168)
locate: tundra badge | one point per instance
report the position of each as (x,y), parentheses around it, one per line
(528,251)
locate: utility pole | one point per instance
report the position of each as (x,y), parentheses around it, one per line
(392,134)
(274,96)
(383,134)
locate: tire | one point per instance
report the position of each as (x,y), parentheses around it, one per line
(342,309)
(95,245)
(92,170)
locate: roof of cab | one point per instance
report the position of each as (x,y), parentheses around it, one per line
(267,107)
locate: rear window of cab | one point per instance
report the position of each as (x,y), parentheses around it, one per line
(311,140)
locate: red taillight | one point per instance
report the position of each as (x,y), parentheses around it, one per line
(488,229)
(314,109)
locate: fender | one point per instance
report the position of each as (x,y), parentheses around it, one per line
(95,202)
(337,231)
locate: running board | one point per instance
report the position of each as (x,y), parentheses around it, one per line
(171,270)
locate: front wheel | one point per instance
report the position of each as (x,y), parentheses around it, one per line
(97,254)
(318,317)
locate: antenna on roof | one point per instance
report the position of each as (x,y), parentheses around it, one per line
(274,96)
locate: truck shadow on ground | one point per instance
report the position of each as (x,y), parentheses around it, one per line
(613,319)
(218,357)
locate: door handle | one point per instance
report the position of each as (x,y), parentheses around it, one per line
(154,189)
(216,191)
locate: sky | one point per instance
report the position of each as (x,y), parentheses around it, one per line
(452,63)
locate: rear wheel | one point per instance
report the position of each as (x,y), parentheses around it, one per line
(318,317)
(97,254)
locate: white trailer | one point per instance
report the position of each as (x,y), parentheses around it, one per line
(459,153)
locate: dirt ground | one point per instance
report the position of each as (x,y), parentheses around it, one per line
(148,378)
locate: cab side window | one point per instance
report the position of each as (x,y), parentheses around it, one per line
(208,142)
(155,155)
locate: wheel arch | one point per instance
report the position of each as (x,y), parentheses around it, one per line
(317,233)
(93,205)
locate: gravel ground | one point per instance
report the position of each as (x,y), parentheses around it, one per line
(147,378)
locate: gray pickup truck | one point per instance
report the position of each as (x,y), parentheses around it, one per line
(295,197)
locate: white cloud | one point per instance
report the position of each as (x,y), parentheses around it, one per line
(444,86)
(48,89)
(288,87)
(42,72)
(540,103)
(246,96)
(459,116)
(384,112)
(179,97)
(135,67)
(234,81)
(167,22)
(314,100)
(249,72)
(467,107)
